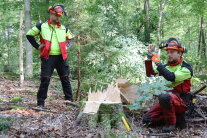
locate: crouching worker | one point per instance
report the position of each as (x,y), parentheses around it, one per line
(170,111)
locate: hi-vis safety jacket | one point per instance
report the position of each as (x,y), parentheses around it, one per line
(50,36)
(179,75)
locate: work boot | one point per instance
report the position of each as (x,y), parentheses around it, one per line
(180,121)
(40,104)
(40,107)
(168,128)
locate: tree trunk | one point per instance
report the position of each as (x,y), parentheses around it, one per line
(29,58)
(200,36)
(9,49)
(21,77)
(147,22)
(202,42)
(79,73)
(160,21)
(203,48)
(108,116)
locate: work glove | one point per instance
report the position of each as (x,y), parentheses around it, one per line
(151,51)
(152,54)
(155,58)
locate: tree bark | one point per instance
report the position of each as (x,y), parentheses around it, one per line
(147,22)
(29,57)
(160,21)
(108,116)
(199,40)
(21,71)
(79,73)
(9,49)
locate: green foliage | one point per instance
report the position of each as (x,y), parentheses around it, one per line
(110,35)
(2,98)
(123,57)
(16,99)
(5,123)
(33,93)
(153,86)
(52,98)
(15,107)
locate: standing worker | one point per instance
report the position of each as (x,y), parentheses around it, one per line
(172,107)
(55,38)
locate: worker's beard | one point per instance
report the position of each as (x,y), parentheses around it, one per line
(55,21)
(172,61)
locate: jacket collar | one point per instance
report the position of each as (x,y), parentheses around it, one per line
(174,64)
(50,23)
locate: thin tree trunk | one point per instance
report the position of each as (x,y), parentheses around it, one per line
(147,22)
(29,57)
(9,49)
(200,37)
(160,21)
(21,77)
(79,73)
(203,48)
(189,30)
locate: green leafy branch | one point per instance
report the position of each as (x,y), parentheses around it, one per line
(153,86)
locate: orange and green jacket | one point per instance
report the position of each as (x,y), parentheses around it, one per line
(55,39)
(179,74)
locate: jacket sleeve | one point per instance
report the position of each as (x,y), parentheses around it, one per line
(149,68)
(182,74)
(31,33)
(178,76)
(168,75)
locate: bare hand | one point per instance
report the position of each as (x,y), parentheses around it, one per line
(41,46)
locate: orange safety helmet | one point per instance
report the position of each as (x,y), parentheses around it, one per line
(173,44)
(57,9)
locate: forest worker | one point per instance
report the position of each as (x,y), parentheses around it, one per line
(172,106)
(55,38)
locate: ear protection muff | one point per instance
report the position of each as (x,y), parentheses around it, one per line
(52,9)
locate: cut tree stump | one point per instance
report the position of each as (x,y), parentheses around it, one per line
(103,109)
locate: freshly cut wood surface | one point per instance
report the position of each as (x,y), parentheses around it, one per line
(128,91)
(111,94)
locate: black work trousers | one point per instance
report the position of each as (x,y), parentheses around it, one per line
(47,68)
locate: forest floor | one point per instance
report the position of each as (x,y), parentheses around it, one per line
(60,120)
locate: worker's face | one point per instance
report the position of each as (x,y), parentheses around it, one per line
(173,55)
(54,18)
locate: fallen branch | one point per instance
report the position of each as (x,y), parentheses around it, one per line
(200,114)
(71,103)
(196,120)
(44,110)
(159,134)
